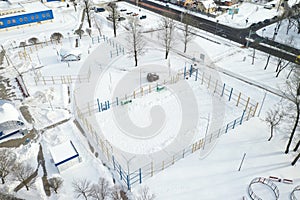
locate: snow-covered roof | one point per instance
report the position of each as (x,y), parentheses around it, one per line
(25,7)
(8,112)
(63,152)
(65,52)
(208,4)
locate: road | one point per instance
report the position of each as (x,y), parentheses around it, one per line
(233,34)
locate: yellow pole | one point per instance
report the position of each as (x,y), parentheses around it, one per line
(238,100)
(249,113)
(247,103)
(255,110)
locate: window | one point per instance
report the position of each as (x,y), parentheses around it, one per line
(1,23)
(20,19)
(25,19)
(8,21)
(43,15)
(32,17)
(36,16)
(13,21)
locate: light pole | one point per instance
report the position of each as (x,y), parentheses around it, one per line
(250,33)
(216,27)
(263,32)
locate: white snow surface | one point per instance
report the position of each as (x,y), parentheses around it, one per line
(207,174)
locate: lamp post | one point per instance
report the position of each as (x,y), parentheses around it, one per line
(216,27)
(263,32)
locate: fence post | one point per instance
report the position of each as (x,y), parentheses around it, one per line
(242,117)
(247,103)
(202,78)
(140,170)
(183,153)
(238,100)
(216,86)
(128,182)
(152,168)
(173,161)
(163,165)
(226,128)
(249,113)
(223,90)
(191,71)
(184,72)
(134,94)
(120,171)
(196,78)
(108,105)
(255,109)
(230,94)
(98,102)
(234,124)
(113,159)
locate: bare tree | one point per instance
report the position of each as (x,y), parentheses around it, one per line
(295,159)
(33,40)
(187,30)
(135,39)
(144,194)
(293,95)
(24,173)
(273,118)
(74,4)
(101,190)
(7,159)
(87,9)
(98,25)
(55,183)
(79,32)
(88,31)
(167,25)
(117,193)
(113,15)
(82,188)
(56,36)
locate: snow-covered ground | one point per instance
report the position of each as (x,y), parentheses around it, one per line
(211,173)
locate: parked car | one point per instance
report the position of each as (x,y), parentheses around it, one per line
(269,6)
(152,77)
(121,18)
(143,17)
(99,9)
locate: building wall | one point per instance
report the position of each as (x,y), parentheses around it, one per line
(6,22)
(68,164)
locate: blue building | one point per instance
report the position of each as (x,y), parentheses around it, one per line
(12,15)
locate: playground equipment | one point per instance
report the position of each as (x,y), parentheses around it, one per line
(293,197)
(266,182)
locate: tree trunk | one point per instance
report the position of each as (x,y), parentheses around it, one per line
(27,188)
(267,62)
(296,159)
(294,129)
(184,48)
(85,197)
(3,181)
(272,127)
(135,58)
(115,28)
(166,56)
(297,146)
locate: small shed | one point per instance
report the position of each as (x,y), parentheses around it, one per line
(69,55)
(10,120)
(64,155)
